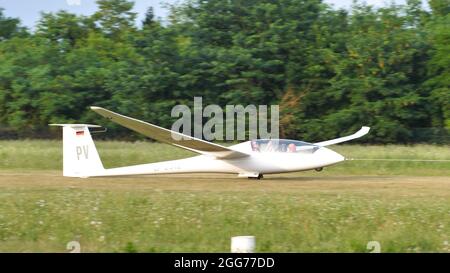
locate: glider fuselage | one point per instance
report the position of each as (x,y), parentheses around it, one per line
(264,162)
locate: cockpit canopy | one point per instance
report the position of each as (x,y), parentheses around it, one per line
(280,145)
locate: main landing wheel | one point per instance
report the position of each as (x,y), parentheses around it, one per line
(319,169)
(260,176)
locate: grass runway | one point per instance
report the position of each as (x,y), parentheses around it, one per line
(406,208)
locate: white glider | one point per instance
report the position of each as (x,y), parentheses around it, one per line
(249,159)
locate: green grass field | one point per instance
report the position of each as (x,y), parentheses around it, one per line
(403,205)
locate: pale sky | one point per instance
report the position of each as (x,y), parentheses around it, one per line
(29,10)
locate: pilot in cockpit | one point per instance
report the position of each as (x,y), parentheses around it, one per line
(255,146)
(270,146)
(292,148)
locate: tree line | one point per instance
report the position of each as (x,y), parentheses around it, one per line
(330,70)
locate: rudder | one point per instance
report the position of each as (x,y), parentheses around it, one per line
(80,156)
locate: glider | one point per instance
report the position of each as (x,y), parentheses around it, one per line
(249,159)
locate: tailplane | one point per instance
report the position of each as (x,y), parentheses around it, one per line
(80,157)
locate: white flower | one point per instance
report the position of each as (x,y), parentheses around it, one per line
(97,223)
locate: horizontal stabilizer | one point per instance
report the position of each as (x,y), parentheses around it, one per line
(76,125)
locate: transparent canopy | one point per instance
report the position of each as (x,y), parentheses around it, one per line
(279,145)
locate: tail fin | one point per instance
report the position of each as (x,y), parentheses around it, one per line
(80,157)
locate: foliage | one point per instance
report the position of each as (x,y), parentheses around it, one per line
(331,71)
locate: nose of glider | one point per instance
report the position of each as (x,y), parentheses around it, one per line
(329,156)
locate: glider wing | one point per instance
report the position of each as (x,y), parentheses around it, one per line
(363,131)
(171,137)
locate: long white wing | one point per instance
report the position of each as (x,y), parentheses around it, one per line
(363,131)
(171,137)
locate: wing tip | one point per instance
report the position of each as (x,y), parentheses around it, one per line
(365,129)
(96,108)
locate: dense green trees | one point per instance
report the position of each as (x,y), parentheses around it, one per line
(439,63)
(376,78)
(10,27)
(331,71)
